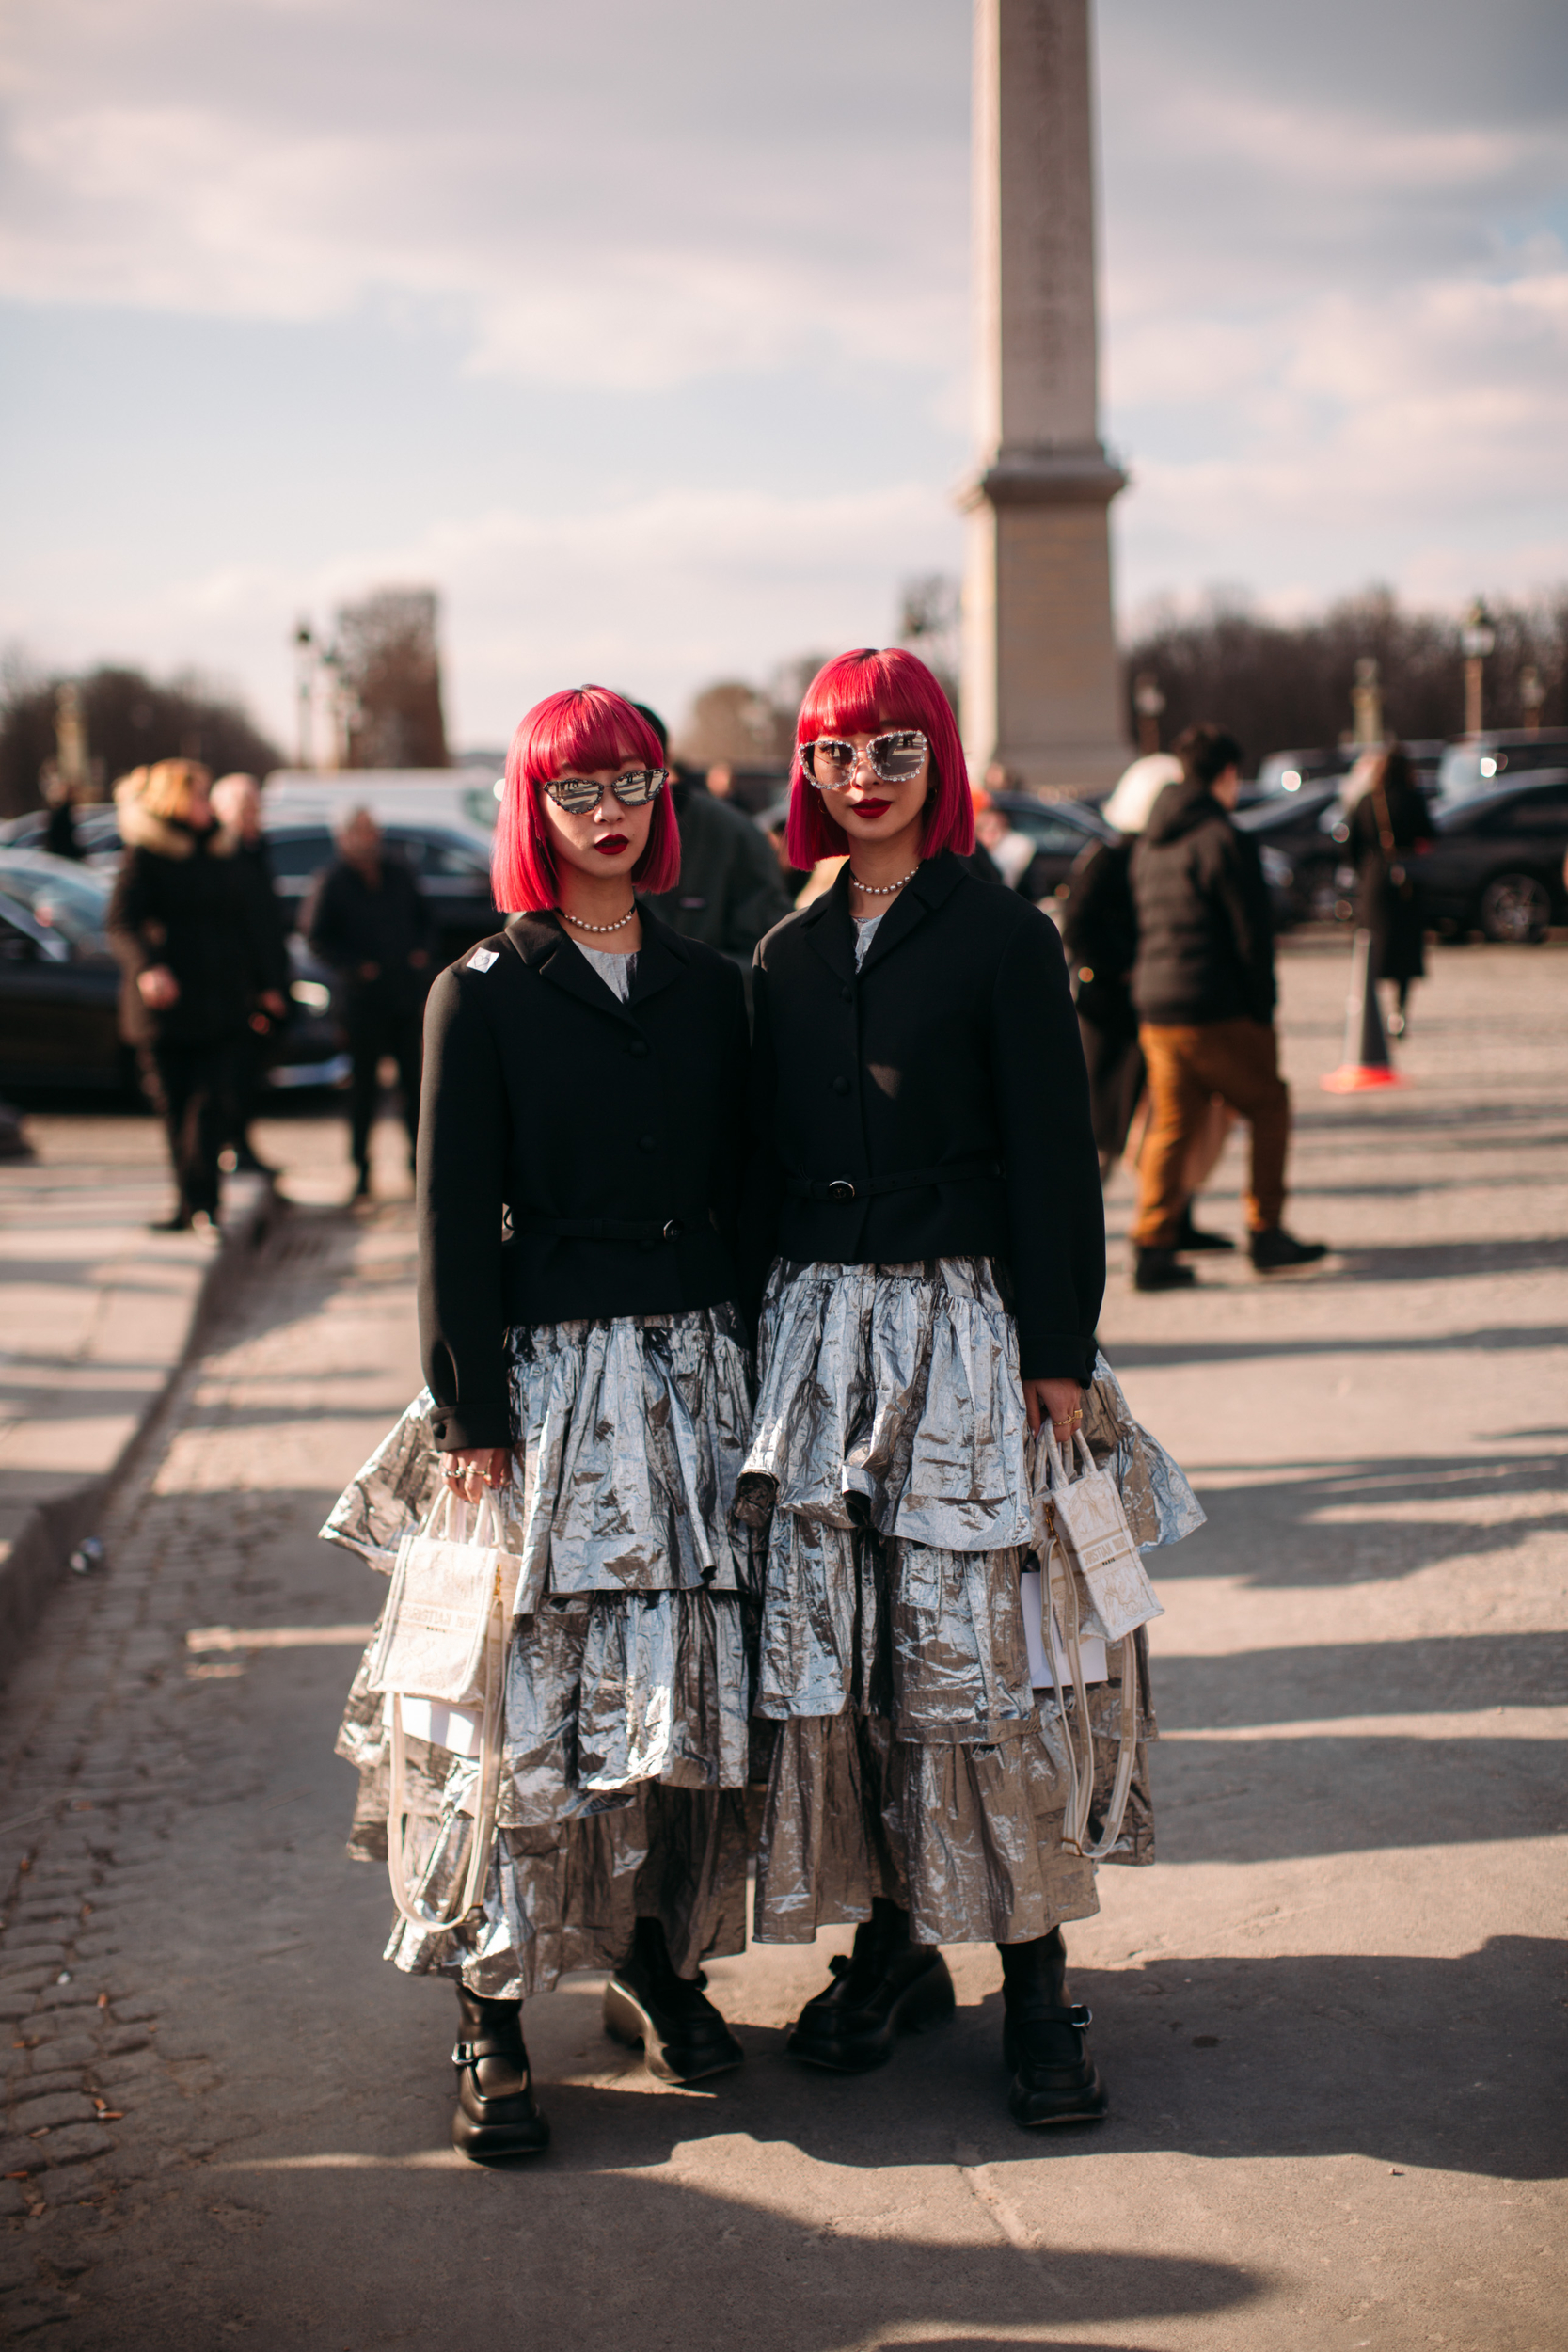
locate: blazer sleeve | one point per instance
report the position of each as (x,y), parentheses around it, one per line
(465,1128)
(1055,1210)
(730,1150)
(130,907)
(763,1185)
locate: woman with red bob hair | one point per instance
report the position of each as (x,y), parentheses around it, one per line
(581,1135)
(927,1192)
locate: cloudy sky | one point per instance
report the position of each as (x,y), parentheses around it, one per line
(641,331)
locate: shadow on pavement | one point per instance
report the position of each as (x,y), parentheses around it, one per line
(1446,2063)
(1330,1523)
(1431,1674)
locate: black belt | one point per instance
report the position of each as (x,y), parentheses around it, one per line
(840,1188)
(648,1231)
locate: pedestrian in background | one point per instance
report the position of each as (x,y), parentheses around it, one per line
(1203,985)
(369,921)
(237,806)
(1099,931)
(730,890)
(1388,827)
(182,925)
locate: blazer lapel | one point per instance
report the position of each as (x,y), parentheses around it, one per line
(935,881)
(661,960)
(542,944)
(830,927)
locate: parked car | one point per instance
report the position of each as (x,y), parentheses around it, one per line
(1300,771)
(453,872)
(1496,859)
(97,833)
(60,988)
(1060,831)
(1481,762)
(59,984)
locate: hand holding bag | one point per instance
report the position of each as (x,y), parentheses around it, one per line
(1088,1556)
(443,1637)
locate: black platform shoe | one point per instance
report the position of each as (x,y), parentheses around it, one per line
(1055,2079)
(885,1987)
(496,2113)
(683,2036)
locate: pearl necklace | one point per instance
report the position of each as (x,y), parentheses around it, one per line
(579,925)
(881,890)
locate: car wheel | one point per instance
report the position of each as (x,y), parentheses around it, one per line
(1515,908)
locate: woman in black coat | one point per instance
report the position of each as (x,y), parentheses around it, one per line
(928,1188)
(580,1138)
(197,960)
(1388,827)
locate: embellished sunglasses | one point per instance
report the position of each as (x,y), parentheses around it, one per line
(577,795)
(893,757)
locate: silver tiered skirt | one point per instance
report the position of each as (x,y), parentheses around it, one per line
(913,1759)
(627,1678)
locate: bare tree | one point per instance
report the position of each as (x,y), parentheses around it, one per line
(129,721)
(390,671)
(1280,685)
(929,623)
(736,723)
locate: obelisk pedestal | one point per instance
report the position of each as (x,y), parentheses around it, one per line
(1042,695)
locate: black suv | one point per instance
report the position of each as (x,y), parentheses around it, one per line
(1496,859)
(1482,763)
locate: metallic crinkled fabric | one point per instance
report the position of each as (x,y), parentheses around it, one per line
(628,1675)
(914,1758)
(631,1435)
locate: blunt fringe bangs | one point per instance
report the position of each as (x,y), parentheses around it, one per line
(585,728)
(854,695)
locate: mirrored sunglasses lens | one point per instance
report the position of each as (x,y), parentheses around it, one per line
(575,794)
(897,757)
(831,762)
(636,790)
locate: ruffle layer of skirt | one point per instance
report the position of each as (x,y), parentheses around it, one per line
(890,1393)
(630,1437)
(967,1838)
(914,1758)
(558,1902)
(626,1732)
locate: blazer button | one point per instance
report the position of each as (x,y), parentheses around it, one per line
(638,1048)
(846,995)
(841,1086)
(648,1143)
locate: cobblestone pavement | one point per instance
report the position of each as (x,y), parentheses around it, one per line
(1331,2019)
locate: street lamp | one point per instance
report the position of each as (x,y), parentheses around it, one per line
(1478,636)
(1366,702)
(305,672)
(1532,694)
(1148,702)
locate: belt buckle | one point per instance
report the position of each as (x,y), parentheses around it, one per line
(672,1231)
(841,1189)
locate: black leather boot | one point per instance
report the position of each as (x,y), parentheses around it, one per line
(682,2034)
(1055,2079)
(496,2113)
(885,1987)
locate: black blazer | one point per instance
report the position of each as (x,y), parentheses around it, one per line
(955,1046)
(593,1126)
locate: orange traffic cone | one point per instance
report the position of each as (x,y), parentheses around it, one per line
(1366,1064)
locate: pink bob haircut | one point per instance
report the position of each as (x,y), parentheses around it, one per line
(581,729)
(856,694)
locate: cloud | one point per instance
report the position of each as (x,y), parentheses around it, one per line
(1335,303)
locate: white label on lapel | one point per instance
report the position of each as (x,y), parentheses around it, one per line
(482,959)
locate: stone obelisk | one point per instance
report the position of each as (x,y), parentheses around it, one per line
(1042,677)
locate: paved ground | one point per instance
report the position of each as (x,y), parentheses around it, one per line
(1332,2017)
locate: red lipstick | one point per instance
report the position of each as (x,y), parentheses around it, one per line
(871,808)
(610,844)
